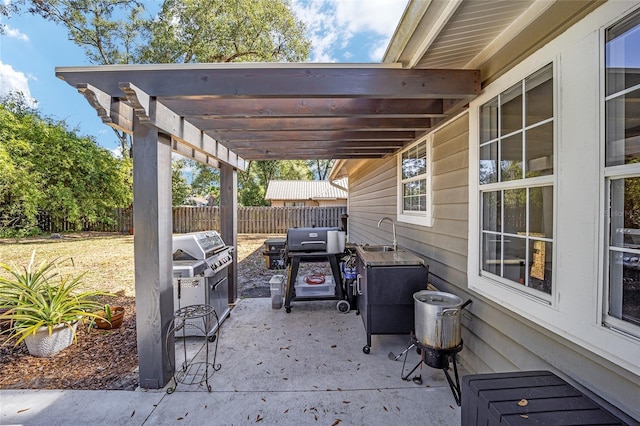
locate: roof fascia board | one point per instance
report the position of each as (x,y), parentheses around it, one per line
(434,31)
(411,17)
(523,21)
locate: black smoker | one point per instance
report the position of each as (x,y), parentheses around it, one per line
(437,334)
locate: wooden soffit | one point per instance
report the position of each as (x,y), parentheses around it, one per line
(237,112)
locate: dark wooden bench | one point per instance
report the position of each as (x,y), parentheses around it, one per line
(492,399)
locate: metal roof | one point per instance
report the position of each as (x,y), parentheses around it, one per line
(303,190)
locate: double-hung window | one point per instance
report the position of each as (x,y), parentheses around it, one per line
(414,183)
(516,185)
(622,173)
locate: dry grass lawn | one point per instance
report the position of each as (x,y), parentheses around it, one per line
(107,258)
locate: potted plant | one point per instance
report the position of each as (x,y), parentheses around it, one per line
(43,308)
(110,317)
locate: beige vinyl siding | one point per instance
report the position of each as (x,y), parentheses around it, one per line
(495,339)
(373,194)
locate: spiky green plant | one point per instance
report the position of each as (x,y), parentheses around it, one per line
(31,299)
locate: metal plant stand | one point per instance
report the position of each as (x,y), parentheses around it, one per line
(192,372)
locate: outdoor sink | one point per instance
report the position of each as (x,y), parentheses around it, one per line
(379,248)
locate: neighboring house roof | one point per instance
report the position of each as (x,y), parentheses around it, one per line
(304,190)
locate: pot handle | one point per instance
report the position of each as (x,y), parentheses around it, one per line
(464,305)
(448,312)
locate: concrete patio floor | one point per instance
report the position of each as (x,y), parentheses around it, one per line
(305,367)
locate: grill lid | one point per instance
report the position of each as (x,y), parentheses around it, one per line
(198,245)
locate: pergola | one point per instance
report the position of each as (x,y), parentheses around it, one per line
(223,115)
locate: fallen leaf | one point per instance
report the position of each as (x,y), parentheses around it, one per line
(263,399)
(524,416)
(385,408)
(337,422)
(259,418)
(334,346)
(134,412)
(180,418)
(523,403)
(286,411)
(346,402)
(27,409)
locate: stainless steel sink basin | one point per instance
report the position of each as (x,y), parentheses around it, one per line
(379,248)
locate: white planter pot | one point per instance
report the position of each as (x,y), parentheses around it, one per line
(43,344)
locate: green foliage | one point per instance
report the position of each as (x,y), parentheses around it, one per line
(320,168)
(47,168)
(31,299)
(254,180)
(225,31)
(92,25)
(180,189)
(206,179)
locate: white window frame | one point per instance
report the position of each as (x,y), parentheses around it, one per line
(611,173)
(417,218)
(575,311)
(525,184)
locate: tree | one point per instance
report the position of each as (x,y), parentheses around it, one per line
(187,31)
(320,168)
(180,189)
(225,31)
(206,180)
(254,180)
(123,32)
(47,168)
(92,25)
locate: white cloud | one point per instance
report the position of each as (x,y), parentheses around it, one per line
(378,16)
(14,33)
(12,81)
(332,24)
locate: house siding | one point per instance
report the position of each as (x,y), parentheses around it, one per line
(495,338)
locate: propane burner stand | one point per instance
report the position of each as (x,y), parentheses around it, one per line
(436,358)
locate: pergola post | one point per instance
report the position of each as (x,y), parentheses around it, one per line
(152,221)
(229,221)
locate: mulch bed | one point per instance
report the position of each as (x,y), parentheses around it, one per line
(108,359)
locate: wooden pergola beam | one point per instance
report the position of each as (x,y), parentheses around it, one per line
(214,107)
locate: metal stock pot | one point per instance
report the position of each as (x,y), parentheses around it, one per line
(437,319)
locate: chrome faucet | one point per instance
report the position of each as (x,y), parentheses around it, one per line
(393,224)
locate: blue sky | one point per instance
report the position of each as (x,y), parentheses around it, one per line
(31,48)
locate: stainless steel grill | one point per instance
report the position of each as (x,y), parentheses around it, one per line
(200,262)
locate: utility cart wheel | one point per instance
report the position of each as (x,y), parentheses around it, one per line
(288,310)
(212,338)
(366,349)
(343,306)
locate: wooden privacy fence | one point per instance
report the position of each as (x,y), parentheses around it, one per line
(251,220)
